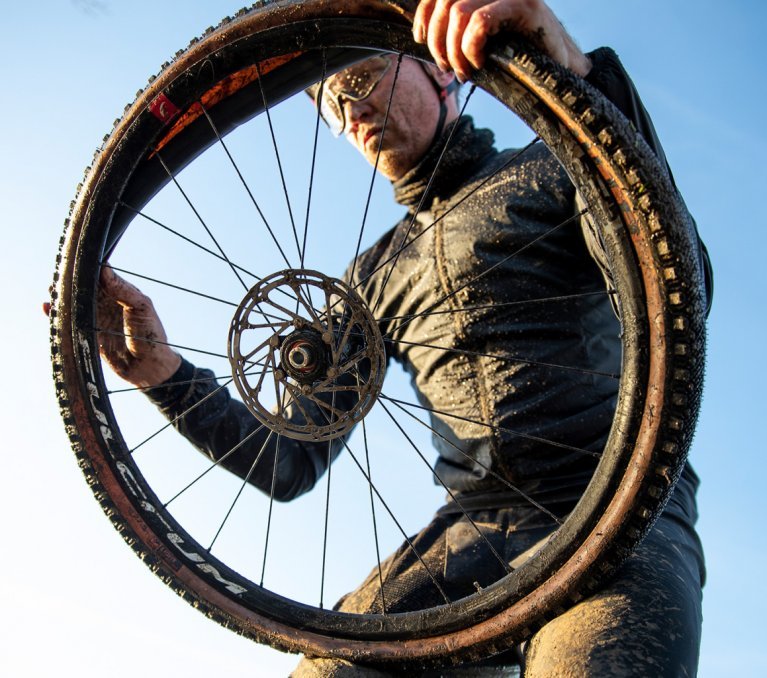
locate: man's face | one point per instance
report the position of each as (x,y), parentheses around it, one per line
(412,121)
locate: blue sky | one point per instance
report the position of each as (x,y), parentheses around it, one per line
(75,599)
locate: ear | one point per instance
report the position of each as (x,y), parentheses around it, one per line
(442,79)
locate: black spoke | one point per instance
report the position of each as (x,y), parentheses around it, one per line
(185,382)
(373,514)
(375,167)
(450,493)
(271,505)
(198,245)
(423,198)
(396,522)
(488,270)
(484,467)
(504,357)
(215,464)
(168,284)
(493,427)
(302,247)
(242,487)
(505,304)
(187,239)
(245,185)
(146,340)
(327,509)
(182,415)
(407,244)
(202,221)
(277,154)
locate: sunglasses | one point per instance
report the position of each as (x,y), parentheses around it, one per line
(355,83)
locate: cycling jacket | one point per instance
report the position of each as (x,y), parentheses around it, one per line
(514,387)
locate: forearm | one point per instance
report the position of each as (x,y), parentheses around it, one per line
(224,430)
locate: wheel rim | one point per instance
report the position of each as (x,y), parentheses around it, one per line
(365,628)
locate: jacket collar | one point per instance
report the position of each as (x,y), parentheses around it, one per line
(467,148)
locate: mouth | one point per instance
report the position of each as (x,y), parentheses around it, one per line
(370,134)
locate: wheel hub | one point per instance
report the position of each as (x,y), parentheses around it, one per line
(305,356)
(307,370)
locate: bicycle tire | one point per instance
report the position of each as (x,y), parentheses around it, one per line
(648,237)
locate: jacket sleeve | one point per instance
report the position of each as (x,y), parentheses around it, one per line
(609,77)
(224,430)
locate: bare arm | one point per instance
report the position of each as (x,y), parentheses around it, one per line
(457,31)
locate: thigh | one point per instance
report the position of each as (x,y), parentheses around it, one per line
(646,622)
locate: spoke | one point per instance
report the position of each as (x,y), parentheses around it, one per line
(485,468)
(186,239)
(488,270)
(271,505)
(493,427)
(302,247)
(277,154)
(242,487)
(396,522)
(330,408)
(308,305)
(509,357)
(423,198)
(269,360)
(452,496)
(167,284)
(407,244)
(185,382)
(373,514)
(146,340)
(182,415)
(504,304)
(375,166)
(283,325)
(245,185)
(393,517)
(198,245)
(327,512)
(217,463)
(201,220)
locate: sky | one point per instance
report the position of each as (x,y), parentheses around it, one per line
(76,601)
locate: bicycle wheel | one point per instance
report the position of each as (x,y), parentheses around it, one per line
(237,77)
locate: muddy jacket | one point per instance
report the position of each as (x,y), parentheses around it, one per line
(525,388)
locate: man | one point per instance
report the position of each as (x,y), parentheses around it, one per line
(647,620)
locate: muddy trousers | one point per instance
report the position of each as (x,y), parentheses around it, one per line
(645,622)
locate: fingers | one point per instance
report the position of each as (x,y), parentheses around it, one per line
(132,338)
(456,31)
(121,291)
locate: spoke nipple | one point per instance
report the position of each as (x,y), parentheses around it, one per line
(279,375)
(274,341)
(298,322)
(306,389)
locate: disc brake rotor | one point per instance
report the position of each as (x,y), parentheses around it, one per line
(307,355)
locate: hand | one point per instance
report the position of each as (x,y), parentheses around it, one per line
(456,32)
(131,337)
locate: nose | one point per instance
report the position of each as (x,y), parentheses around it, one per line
(355,112)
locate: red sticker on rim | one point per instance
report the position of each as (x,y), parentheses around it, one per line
(163,108)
